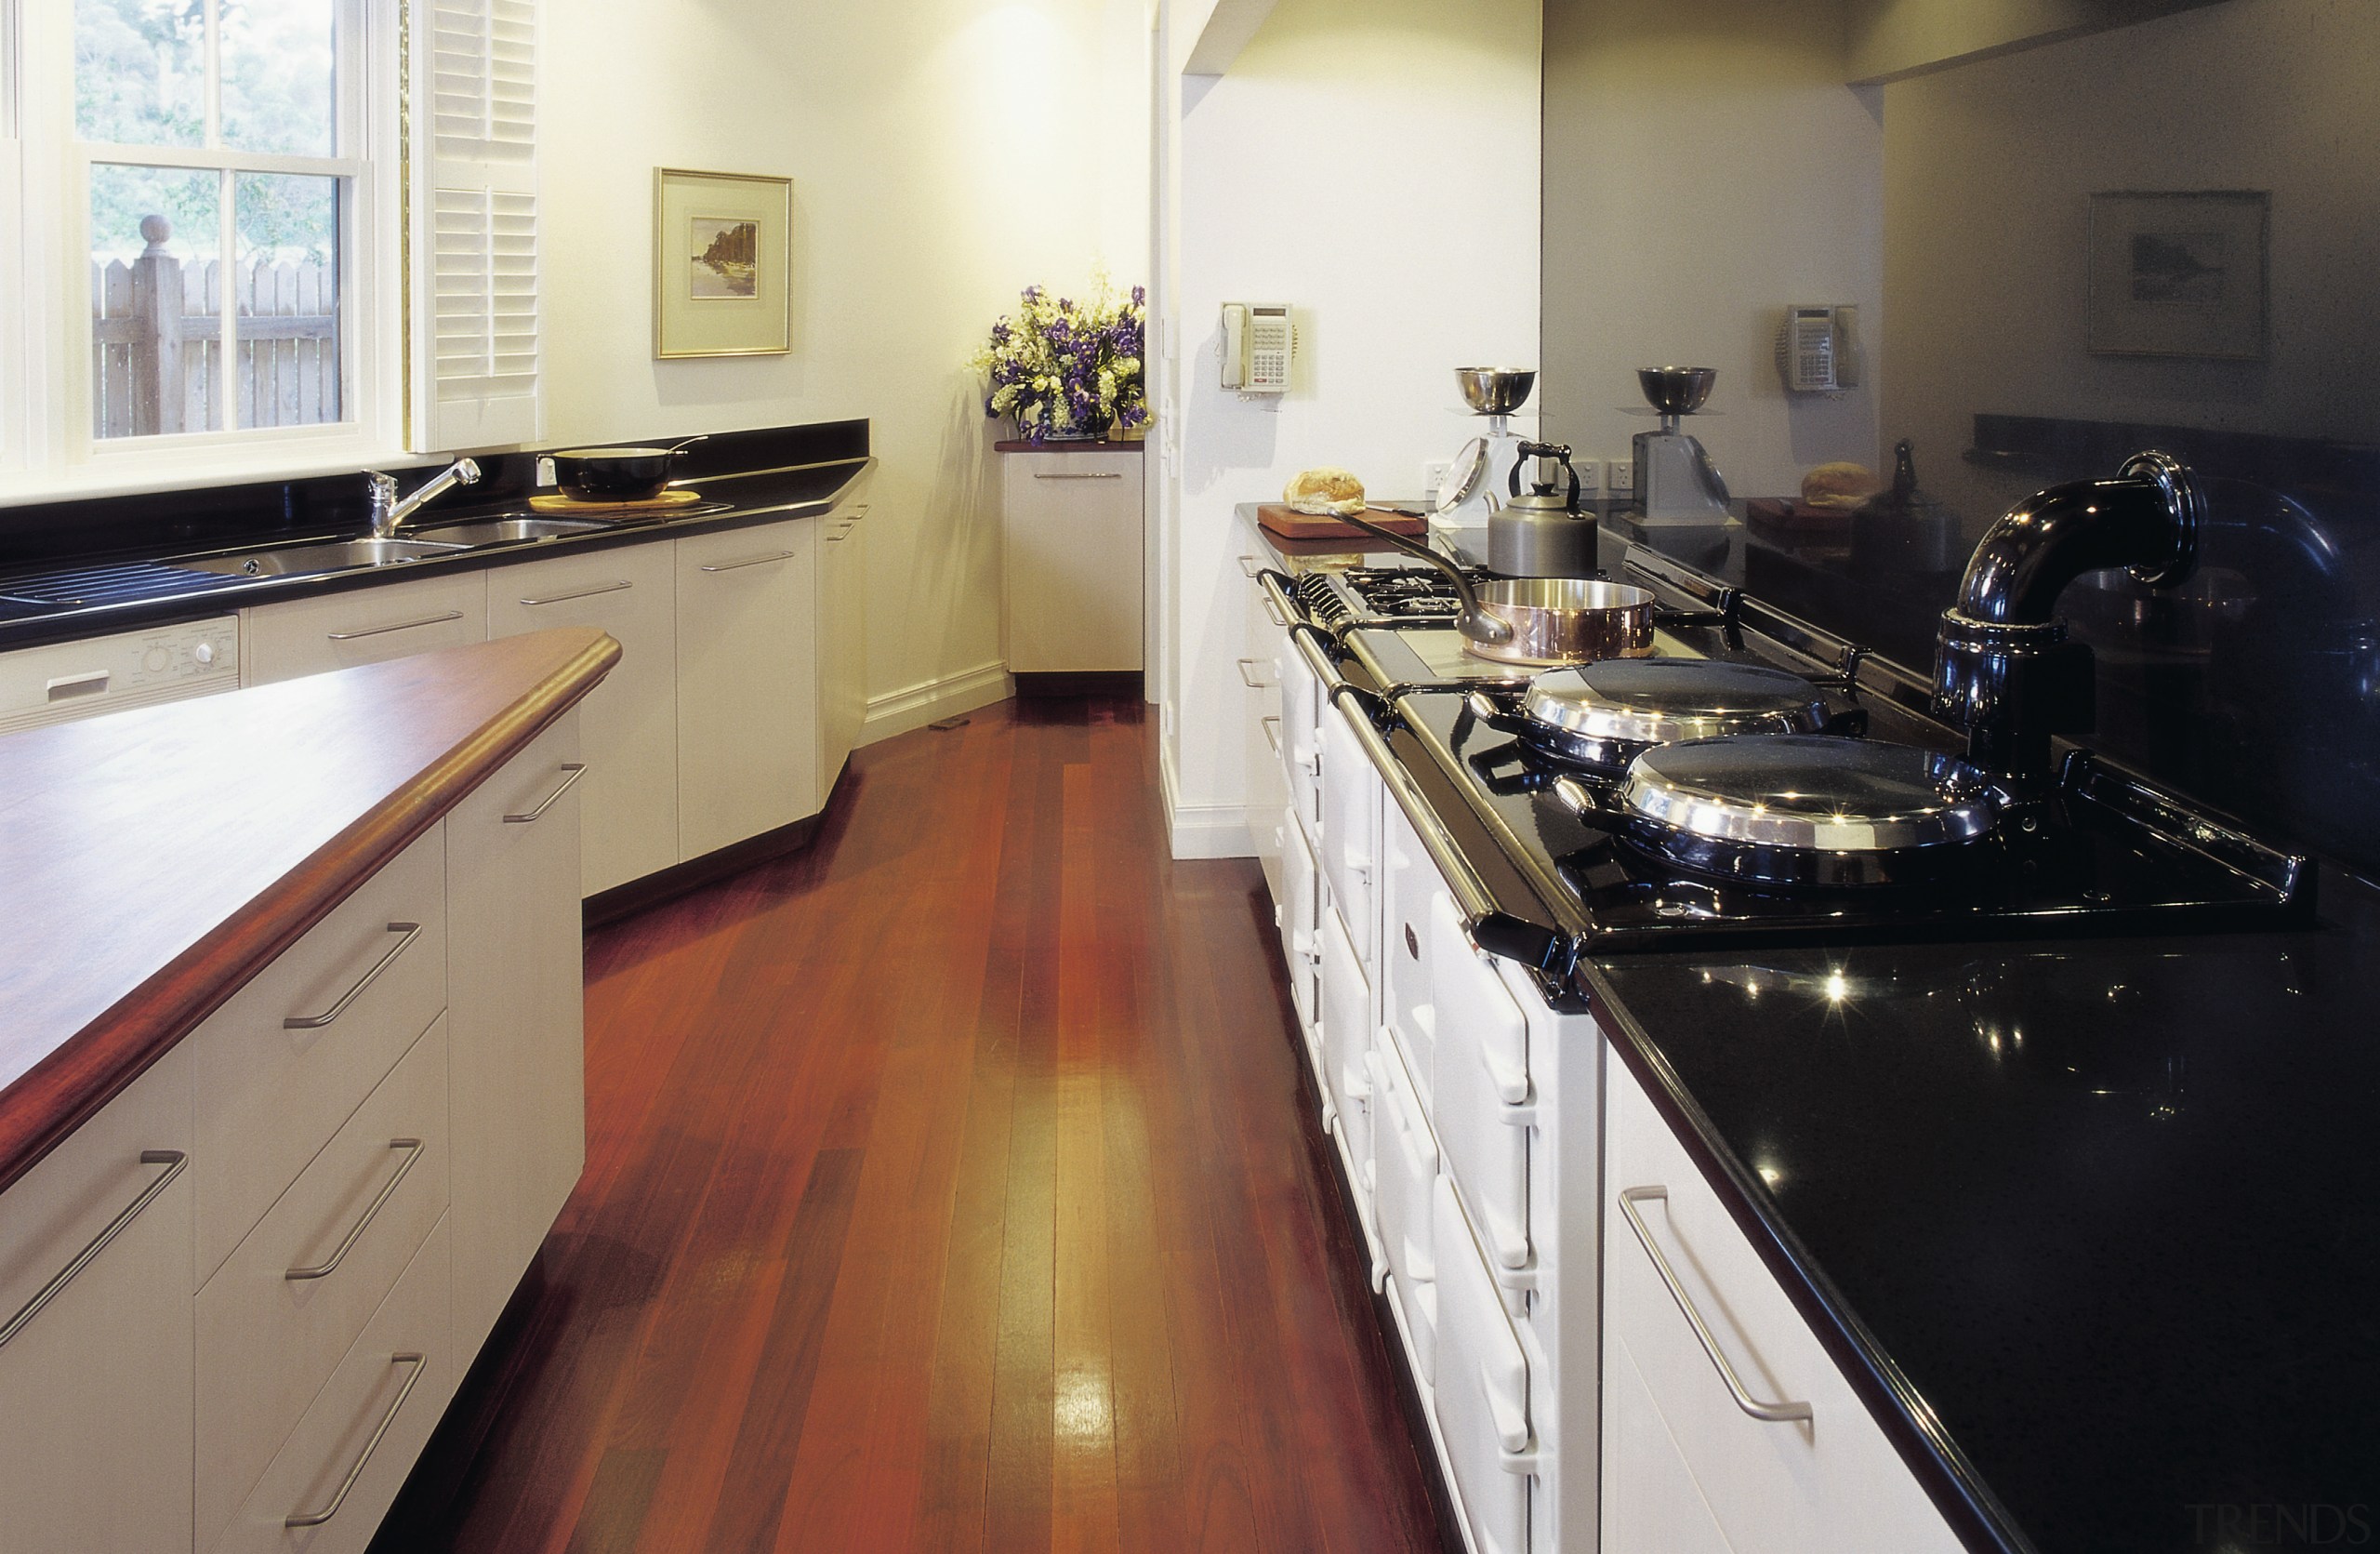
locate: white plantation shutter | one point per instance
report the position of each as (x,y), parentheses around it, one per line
(476,358)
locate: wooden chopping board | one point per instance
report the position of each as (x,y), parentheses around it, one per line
(1792,517)
(555,502)
(1289,524)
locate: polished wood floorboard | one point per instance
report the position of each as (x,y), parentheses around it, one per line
(949,1186)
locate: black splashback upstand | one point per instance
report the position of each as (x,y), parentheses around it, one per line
(49,534)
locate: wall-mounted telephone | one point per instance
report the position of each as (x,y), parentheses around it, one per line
(1817,349)
(1260,346)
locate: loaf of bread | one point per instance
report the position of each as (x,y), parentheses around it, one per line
(1843,485)
(1325,493)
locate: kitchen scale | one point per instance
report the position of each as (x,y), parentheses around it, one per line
(1477,476)
(1675,480)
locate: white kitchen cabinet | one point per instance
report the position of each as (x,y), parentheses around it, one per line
(1071,526)
(1297,910)
(343,1464)
(1346,1043)
(390,619)
(1350,840)
(1651,1498)
(1405,1176)
(1822,1478)
(747,682)
(95,1386)
(275,1320)
(627,724)
(518,1111)
(842,639)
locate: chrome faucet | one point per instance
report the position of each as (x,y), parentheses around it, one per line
(388,513)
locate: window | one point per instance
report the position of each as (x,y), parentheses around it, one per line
(214,247)
(217,146)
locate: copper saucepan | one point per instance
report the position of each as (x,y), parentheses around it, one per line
(1541,621)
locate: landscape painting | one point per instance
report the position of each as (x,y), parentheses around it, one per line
(2178,273)
(725,262)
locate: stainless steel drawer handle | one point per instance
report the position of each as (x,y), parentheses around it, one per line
(1108,474)
(1775,1413)
(1250,566)
(583,593)
(412,1147)
(756,561)
(571,771)
(1250,681)
(1273,611)
(338,1496)
(174,1160)
(411,931)
(1272,727)
(400,626)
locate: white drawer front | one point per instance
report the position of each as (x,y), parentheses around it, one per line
(400,1375)
(1821,1484)
(1478,1105)
(1651,1503)
(95,1441)
(276,1318)
(1480,1391)
(1350,827)
(1346,1039)
(364,626)
(1299,894)
(271,1094)
(1405,1175)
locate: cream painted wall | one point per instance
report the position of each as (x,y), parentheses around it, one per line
(1892,39)
(943,153)
(1320,171)
(1990,171)
(1706,166)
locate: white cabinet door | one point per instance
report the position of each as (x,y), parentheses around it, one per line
(363,626)
(1480,1389)
(627,724)
(517,1048)
(1405,1175)
(842,639)
(1301,892)
(1410,886)
(747,682)
(1350,840)
(1300,709)
(1346,1043)
(1072,523)
(1480,1103)
(95,1387)
(1828,1480)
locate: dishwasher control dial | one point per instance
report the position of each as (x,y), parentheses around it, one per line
(203,653)
(156,661)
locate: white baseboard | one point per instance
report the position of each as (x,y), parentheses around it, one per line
(1202,831)
(899,711)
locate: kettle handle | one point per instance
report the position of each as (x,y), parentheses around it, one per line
(1560,454)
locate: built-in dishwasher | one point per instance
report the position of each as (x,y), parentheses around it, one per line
(109,674)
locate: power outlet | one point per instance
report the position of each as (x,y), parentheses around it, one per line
(1434,474)
(1620,477)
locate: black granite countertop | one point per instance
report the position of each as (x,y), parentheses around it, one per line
(745,479)
(2094,1225)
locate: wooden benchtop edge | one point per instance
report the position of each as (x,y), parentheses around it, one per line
(92,1065)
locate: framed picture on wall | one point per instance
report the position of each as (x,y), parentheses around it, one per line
(723,264)
(2179,274)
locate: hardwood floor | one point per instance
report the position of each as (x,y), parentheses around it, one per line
(950,1186)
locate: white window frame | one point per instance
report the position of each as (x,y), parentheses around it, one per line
(48,444)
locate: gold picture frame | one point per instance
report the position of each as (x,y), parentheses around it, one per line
(723,264)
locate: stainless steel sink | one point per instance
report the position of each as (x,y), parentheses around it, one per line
(508,531)
(337,556)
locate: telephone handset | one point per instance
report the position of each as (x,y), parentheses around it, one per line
(1260,346)
(1816,351)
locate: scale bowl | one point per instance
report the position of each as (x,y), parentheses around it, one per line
(1495,391)
(1676,391)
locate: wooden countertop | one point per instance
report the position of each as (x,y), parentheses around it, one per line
(154,861)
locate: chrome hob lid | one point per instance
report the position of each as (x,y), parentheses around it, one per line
(1661,702)
(1812,794)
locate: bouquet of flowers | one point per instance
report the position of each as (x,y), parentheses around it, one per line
(1065,369)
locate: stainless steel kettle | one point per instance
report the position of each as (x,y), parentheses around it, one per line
(1540,532)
